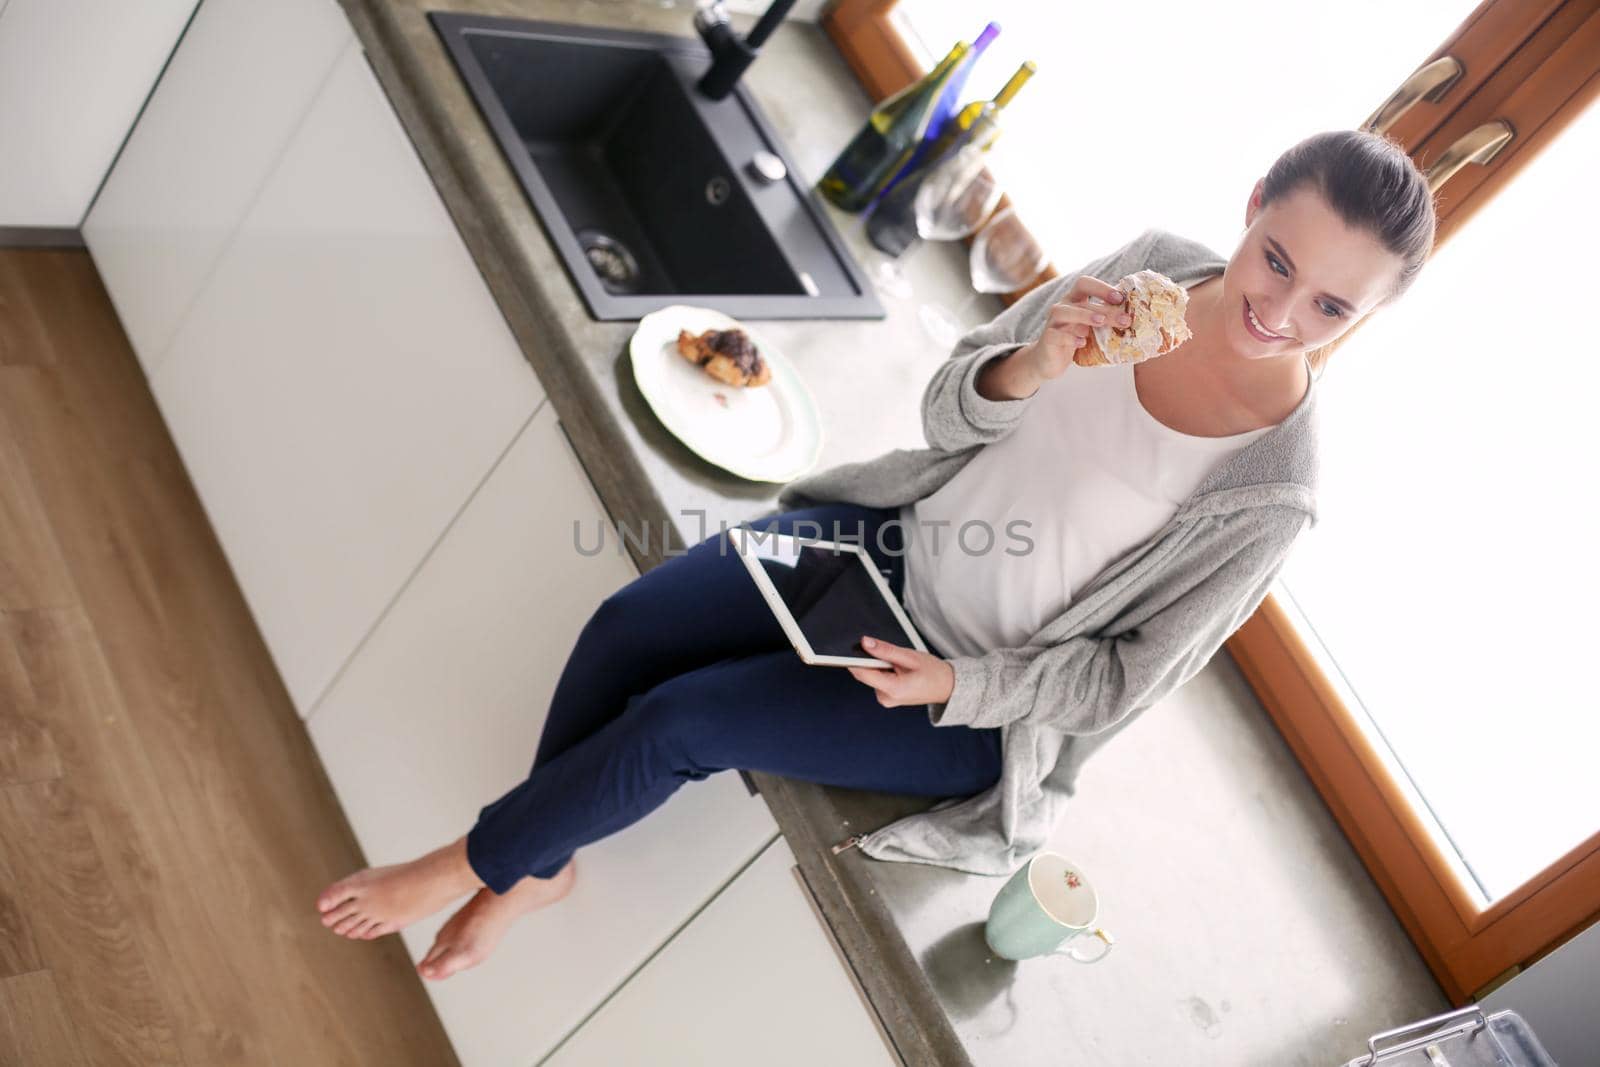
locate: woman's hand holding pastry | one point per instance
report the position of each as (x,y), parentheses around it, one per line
(912,678)
(1089,303)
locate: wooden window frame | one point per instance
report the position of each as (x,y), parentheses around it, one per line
(1536,65)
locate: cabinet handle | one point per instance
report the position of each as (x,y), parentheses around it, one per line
(1480,145)
(1429,83)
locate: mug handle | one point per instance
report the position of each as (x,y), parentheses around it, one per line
(1103,935)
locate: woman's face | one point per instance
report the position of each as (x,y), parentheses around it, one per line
(1306,275)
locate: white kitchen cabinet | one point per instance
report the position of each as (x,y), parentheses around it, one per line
(441,712)
(73,75)
(217,123)
(342,382)
(72,79)
(752,979)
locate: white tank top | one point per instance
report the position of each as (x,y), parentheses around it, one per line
(1087,475)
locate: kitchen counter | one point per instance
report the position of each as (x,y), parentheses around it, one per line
(913,933)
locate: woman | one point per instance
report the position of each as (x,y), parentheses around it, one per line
(1158,502)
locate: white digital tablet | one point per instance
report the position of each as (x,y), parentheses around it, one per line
(826,596)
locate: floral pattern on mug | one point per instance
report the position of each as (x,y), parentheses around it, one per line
(1073,881)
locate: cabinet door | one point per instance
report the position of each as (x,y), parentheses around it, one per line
(342,382)
(441,712)
(220,118)
(753,979)
(73,75)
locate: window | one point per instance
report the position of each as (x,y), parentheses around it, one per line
(1425,653)
(1450,578)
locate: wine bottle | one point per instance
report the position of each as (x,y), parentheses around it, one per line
(894,126)
(943,111)
(892,226)
(978,122)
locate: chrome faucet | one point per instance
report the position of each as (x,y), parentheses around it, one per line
(729,54)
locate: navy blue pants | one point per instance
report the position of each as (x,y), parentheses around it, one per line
(685,672)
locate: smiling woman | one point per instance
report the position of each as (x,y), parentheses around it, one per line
(1328,179)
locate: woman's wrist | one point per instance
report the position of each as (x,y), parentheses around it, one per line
(948,684)
(1009,377)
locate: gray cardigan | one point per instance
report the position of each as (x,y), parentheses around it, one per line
(1145,625)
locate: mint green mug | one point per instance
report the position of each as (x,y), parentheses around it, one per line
(1044,908)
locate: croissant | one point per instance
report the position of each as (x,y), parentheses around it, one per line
(1156,304)
(727,355)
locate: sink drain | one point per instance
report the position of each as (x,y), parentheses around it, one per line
(611,260)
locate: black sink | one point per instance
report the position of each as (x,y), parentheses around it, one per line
(642,184)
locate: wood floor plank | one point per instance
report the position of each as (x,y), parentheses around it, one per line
(163,890)
(22,335)
(27,751)
(83,932)
(32,574)
(34,1026)
(213,811)
(19,950)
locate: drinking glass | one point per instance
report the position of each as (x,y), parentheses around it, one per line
(956,196)
(1004,257)
(888,277)
(951,203)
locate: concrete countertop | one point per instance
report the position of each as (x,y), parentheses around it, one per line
(867,377)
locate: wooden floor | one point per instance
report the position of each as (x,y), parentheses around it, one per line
(164,823)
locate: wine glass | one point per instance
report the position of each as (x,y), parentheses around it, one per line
(1004,257)
(888,277)
(956,196)
(951,202)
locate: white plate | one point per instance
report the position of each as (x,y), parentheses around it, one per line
(770,433)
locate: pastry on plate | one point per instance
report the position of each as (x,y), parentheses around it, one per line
(727,355)
(1156,304)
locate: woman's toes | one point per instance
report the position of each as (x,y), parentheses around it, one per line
(337,915)
(359,930)
(448,962)
(451,962)
(375,930)
(347,924)
(338,893)
(425,966)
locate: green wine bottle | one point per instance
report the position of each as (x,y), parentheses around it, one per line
(894,129)
(892,226)
(978,122)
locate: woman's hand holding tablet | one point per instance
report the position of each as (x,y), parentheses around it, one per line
(913,677)
(826,595)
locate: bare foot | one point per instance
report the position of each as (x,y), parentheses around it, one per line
(469,935)
(382,900)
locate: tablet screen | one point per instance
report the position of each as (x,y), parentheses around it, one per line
(830,594)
